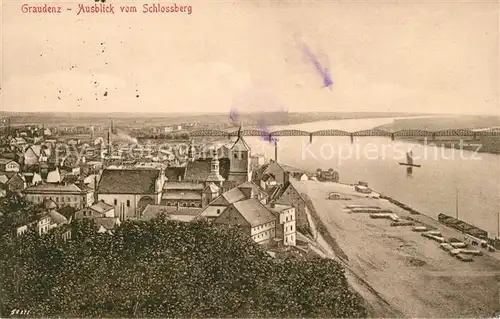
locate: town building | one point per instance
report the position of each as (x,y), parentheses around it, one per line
(178,213)
(274,169)
(77,196)
(17,142)
(99,209)
(35,154)
(14,182)
(130,190)
(32,179)
(255,220)
(257,160)
(48,219)
(287,194)
(286,227)
(9,165)
(267,181)
(219,204)
(184,194)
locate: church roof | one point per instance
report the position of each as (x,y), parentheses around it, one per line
(130,181)
(214,177)
(172,173)
(240,145)
(199,170)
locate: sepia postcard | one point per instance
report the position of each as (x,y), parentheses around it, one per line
(249,159)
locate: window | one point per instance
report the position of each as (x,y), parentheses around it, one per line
(115,202)
(184,205)
(291,227)
(218,211)
(128,202)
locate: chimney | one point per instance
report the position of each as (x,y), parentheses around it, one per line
(273,204)
(276,151)
(95,188)
(178,206)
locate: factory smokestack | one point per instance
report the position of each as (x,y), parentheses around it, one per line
(276,151)
(109,144)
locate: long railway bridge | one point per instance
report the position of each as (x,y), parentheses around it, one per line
(333,132)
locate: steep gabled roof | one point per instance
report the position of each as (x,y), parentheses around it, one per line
(254,212)
(240,145)
(128,181)
(229,197)
(5,161)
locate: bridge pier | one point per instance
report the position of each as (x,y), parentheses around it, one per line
(392,136)
(352,138)
(310,138)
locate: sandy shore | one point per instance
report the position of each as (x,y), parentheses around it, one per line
(410,272)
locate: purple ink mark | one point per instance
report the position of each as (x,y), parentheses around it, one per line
(325,74)
(233,115)
(261,122)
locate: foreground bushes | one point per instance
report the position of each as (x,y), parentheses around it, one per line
(167,269)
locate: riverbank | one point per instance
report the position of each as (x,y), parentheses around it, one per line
(482,144)
(413,273)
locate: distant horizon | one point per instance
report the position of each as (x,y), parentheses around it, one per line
(247,113)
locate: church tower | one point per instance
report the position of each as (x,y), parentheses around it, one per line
(214,175)
(239,157)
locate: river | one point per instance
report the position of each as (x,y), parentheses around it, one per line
(447,177)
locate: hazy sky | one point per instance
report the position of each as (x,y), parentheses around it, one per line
(440,56)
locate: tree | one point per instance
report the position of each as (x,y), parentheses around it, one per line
(164,268)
